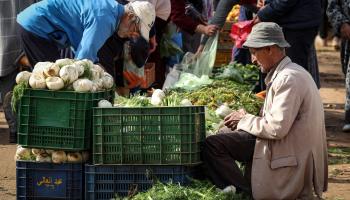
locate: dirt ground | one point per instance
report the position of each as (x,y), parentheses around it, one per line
(333,95)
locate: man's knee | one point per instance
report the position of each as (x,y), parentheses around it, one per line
(210,145)
(215,144)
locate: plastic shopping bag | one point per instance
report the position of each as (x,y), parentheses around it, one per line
(133,75)
(204,64)
(240,32)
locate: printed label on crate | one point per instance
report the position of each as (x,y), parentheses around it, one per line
(49,183)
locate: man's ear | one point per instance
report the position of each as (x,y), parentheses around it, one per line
(269,50)
(131,16)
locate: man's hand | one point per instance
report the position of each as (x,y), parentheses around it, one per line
(260,4)
(207,30)
(153,44)
(232,119)
(345,31)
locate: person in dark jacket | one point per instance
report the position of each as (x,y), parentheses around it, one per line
(339,15)
(184,22)
(300,21)
(187,23)
(10,54)
(223,8)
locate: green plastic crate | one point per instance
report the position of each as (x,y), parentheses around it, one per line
(57,119)
(158,135)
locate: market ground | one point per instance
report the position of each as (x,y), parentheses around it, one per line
(332,92)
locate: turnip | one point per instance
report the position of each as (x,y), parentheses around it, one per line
(223,111)
(156,100)
(157,97)
(81,67)
(37,81)
(23,153)
(40,67)
(38,151)
(51,70)
(69,74)
(43,158)
(63,62)
(54,83)
(82,85)
(107,80)
(96,72)
(159,93)
(23,77)
(185,102)
(104,104)
(74,157)
(97,85)
(59,157)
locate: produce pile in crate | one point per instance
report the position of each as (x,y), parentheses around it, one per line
(54,105)
(50,156)
(142,141)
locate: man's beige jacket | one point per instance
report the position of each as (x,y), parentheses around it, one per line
(290,157)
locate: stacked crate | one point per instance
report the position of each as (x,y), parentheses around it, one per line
(57,120)
(225,45)
(134,147)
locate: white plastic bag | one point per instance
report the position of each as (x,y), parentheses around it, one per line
(132,74)
(204,63)
(172,77)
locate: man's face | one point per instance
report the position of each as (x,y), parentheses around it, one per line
(128,28)
(262,57)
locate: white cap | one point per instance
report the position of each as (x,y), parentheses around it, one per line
(162,8)
(146,12)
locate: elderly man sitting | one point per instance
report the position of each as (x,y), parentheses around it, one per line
(287,144)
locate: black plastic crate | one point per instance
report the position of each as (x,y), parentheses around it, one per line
(105,181)
(49,181)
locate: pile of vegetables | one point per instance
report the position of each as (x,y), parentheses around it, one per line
(50,156)
(228,89)
(222,91)
(221,98)
(238,72)
(158,98)
(64,74)
(198,190)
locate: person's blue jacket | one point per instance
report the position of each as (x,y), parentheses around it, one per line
(292,14)
(84,25)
